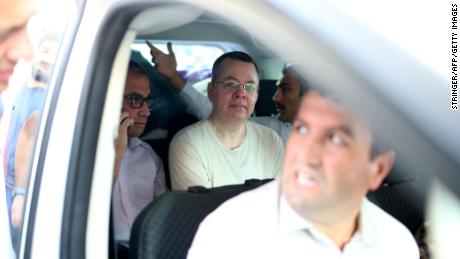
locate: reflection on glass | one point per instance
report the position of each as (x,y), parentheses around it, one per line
(22,106)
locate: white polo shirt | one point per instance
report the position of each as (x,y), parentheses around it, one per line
(261,224)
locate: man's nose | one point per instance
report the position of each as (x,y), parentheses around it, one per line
(20,46)
(309,150)
(144,110)
(277,96)
(240,93)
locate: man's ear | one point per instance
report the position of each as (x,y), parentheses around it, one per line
(380,168)
(210,90)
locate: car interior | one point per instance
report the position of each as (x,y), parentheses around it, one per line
(346,71)
(402,194)
(166,227)
(359,59)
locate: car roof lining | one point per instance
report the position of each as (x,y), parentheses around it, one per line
(154,20)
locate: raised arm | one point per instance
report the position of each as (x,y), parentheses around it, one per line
(166,65)
(196,103)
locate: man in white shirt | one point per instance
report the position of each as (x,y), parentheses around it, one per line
(226,148)
(287,97)
(318,208)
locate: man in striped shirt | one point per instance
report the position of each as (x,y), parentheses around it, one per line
(138,175)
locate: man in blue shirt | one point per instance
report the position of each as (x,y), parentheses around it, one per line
(14,45)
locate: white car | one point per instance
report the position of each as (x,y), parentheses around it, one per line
(408,101)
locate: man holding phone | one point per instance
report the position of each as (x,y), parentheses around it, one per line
(138,174)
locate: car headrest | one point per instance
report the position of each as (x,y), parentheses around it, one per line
(167,226)
(265,105)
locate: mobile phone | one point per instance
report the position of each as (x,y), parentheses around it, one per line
(125,118)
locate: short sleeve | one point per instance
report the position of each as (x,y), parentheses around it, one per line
(185,164)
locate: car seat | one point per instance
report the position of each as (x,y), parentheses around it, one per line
(265,105)
(400,199)
(166,227)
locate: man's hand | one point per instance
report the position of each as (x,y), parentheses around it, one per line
(16,210)
(166,65)
(122,139)
(121,142)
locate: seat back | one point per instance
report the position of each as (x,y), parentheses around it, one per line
(166,227)
(265,105)
(161,145)
(400,199)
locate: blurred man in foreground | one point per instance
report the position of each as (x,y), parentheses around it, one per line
(14,41)
(318,209)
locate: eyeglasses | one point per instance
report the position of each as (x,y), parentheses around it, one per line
(236,86)
(136,101)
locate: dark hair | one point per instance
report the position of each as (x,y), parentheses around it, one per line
(235,55)
(136,68)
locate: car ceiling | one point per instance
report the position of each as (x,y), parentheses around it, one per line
(216,30)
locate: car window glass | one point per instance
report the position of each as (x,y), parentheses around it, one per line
(22,106)
(194,60)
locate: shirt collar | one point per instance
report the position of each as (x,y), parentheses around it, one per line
(367,230)
(287,124)
(290,221)
(134,143)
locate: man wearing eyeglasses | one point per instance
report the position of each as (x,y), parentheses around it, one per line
(138,175)
(225,148)
(287,97)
